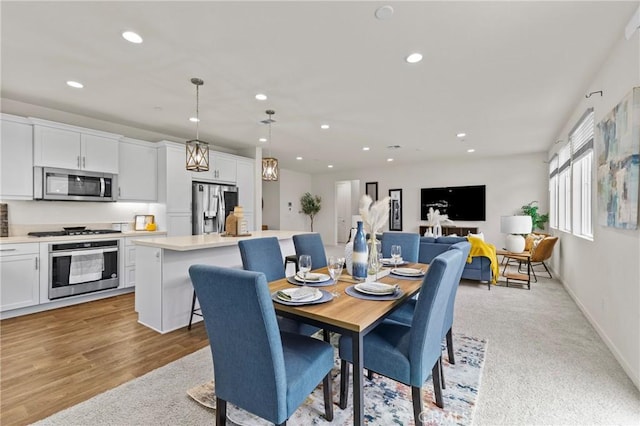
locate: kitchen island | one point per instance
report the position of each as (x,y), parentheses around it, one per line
(163,287)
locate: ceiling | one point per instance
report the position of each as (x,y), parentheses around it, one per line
(508,74)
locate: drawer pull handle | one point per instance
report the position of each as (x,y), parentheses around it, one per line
(9,249)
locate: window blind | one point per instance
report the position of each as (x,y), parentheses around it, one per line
(564,157)
(581,137)
(553,166)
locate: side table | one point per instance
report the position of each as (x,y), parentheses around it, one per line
(525,256)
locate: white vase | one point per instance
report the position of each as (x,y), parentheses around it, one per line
(348,257)
(437,230)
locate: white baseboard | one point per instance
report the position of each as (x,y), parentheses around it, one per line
(612,347)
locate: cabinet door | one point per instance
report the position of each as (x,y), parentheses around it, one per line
(178,182)
(19,281)
(178,225)
(16,160)
(225,168)
(137,176)
(56,148)
(246,185)
(99,154)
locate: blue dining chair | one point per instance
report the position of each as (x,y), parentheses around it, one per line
(264,255)
(311,244)
(407,353)
(409,242)
(256,367)
(404,314)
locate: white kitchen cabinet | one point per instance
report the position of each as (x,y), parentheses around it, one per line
(178,224)
(16,159)
(138,170)
(69,147)
(19,275)
(222,168)
(174,181)
(246,189)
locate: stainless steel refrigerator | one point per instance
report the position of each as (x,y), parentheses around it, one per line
(211,204)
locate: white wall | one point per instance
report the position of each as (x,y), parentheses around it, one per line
(292,186)
(603,275)
(511,182)
(271,200)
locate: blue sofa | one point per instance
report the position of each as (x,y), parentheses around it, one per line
(430,247)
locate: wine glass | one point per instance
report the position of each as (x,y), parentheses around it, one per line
(379,266)
(335,270)
(396,252)
(304,265)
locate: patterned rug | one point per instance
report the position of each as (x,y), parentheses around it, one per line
(386,401)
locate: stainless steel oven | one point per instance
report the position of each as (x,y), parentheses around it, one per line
(82,267)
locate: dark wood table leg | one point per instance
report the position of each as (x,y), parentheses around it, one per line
(358,382)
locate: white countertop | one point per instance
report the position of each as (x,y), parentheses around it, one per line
(28,239)
(196,242)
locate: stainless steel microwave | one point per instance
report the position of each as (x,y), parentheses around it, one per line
(73,185)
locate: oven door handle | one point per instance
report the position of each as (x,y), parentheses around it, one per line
(68,252)
(102,187)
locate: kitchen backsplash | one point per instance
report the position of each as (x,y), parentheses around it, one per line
(35,216)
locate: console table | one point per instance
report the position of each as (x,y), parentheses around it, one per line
(460,231)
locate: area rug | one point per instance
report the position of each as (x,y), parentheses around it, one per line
(386,401)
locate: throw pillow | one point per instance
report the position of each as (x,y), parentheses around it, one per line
(535,244)
(479,235)
(530,239)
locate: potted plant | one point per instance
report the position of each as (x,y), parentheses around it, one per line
(310,205)
(538,220)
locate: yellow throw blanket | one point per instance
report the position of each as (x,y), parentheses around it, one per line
(480,248)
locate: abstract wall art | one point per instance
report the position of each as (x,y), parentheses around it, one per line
(618,156)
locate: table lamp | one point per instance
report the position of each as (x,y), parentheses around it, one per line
(515,226)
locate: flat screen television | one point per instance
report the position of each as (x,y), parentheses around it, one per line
(458,202)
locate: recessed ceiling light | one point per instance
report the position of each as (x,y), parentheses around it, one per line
(261,97)
(389,159)
(461,135)
(471,150)
(324,126)
(414,58)
(365,148)
(384,12)
(132,37)
(330,166)
(75,84)
(298,158)
(194,119)
(262,139)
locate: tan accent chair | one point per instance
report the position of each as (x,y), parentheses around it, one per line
(541,250)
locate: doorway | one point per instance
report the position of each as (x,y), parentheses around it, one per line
(344,210)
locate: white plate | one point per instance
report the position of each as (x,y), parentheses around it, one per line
(407,272)
(314,296)
(320,277)
(375,289)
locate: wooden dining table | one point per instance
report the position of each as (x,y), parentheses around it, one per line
(349,316)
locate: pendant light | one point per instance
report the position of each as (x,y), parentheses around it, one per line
(197,150)
(269,164)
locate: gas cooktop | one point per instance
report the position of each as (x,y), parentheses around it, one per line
(73,231)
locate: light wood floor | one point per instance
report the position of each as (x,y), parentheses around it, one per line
(53,360)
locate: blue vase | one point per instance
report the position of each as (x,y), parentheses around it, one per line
(360,251)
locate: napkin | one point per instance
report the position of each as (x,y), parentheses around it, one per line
(375,287)
(298,294)
(310,276)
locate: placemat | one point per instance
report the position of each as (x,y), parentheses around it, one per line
(292,280)
(326,296)
(355,293)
